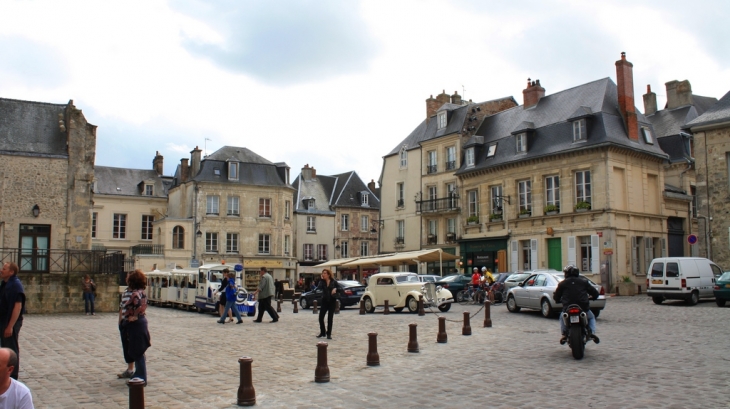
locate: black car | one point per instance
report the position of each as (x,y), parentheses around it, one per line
(454,283)
(350,295)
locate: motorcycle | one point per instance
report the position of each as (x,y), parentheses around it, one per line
(576,321)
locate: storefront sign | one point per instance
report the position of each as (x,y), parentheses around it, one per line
(262,262)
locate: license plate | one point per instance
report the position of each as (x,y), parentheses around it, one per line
(657,281)
(574,319)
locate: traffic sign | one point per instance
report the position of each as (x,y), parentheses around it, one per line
(692,239)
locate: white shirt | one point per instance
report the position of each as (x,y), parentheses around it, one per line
(16,397)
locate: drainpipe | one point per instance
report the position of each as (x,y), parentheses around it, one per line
(195,220)
(689,205)
(707,237)
(708,227)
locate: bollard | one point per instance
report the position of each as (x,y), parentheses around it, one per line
(337,306)
(386,310)
(246,392)
(278,305)
(296,307)
(362,307)
(314,307)
(487,314)
(373,359)
(421,311)
(412,339)
(136,394)
(441,337)
(491,297)
(322,373)
(466,329)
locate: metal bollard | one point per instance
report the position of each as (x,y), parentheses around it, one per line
(412,338)
(278,305)
(421,311)
(337,306)
(487,314)
(246,391)
(322,372)
(362,307)
(136,394)
(466,329)
(441,337)
(386,311)
(314,307)
(373,359)
(296,306)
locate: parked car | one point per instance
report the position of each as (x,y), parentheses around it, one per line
(402,290)
(351,293)
(515,279)
(681,278)
(722,289)
(454,283)
(536,293)
(429,278)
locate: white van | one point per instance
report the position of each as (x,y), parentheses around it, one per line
(681,278)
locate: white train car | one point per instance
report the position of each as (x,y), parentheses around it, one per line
(185,282)
(209,282)
(158,283)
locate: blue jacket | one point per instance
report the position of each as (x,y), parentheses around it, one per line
(231,290)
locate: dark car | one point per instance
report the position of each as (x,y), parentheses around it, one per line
(350,295)
(722,289)
(454,283)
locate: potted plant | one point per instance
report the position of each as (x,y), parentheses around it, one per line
(524,213)
(582,206)
(626,286)
(472,220)
(495,216)
(551,209)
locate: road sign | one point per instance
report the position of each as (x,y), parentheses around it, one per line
(692,239)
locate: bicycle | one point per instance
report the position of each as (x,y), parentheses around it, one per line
(469,296)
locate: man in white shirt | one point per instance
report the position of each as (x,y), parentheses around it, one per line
(13,394)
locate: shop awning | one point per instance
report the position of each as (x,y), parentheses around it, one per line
(406,257)
(336,262)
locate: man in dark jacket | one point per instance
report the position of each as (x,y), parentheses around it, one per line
(575,289)
(12,307)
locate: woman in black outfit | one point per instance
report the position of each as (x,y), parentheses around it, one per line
(329,287)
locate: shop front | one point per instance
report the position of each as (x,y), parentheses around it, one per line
(446,267)
(281,269)
(490,253)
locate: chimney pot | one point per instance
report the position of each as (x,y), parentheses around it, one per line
(532,94)
(649,101)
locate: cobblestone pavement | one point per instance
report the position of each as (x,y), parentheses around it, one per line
(670,355)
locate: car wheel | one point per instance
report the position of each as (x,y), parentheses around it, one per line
(399,309)
(369,307)
(657,299)
(596,313)
(694,298)
(412,305)
(719,302)
(303,302)
(512,304)
(445,307)
(546,309)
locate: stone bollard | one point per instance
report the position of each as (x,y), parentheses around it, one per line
(246,392)
(373,359)
(386,310)
(362,307)
(314,307)
(136,394)
(441,337)
(487,314)
(466,329)
(337,306)
(278,305)
(322,373)
(421,311)
(296,307)
(412,338)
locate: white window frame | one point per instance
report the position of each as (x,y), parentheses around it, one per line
(322,252)
(287,244)
(364,223)
(311,224)
(232,170)
(344,249)
(580,132)
(119,226)
(473,203)
(403,156)
(212,204)
(491,150)
(308,251)
(524,193)
(265,207)
(147,230)
(364,199)
(496,198)
(450,157)
(232,243)
(400,226)
(364,248)
(648,138)
(233,206)
(149,190)
(469,157)
(451,225)
(264,244)
(552,190)
(400,194)
(211,242)
(287,210)
(582,186)
(345,222)
(521,140)
(432,162)
(442,119)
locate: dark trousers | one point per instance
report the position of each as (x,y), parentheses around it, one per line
(89,299)
(328,307)
(125,346)
(265,304)
(12,343)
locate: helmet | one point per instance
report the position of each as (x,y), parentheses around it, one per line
(476,269)
(484,269)
(571,271)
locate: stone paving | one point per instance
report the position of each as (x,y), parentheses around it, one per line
(669,355)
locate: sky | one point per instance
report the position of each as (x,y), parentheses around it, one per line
(335,84)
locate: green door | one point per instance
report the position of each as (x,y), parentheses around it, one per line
(555,259)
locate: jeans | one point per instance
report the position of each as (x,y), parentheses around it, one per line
(89,299)
(140,368)
(231,305)
(591,323)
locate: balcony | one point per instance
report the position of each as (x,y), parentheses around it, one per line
(443,205)
(431,169)
(147,249)
(400,240)
(450,237)
(400,203)
(63,261)
(432,239)
(451,165)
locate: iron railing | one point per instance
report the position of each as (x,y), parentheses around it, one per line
(446,204)
(60,261)
(147,249)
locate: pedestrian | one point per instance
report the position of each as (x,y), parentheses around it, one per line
(89,289)
(230,290)
(222,298)
(329,288)
(134,321)
(13,394)
(126,295)
(264,293)
(12,307)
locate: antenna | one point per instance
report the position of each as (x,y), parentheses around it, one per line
(463,93)
(205,147)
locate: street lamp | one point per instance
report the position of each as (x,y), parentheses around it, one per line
(381,225)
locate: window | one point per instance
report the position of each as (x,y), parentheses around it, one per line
(211,242)
(524,188)
(364,223)
(432,196)
(119,229)
(496,202)
(647,135)
(308,252)
(211,204)
(322,252)
(233,209)
(94,217)
(693,192)
(149,190)
(451,194)
(264,243)
(344,251)
(364,199)
(345,222)
(442,119)
(310,204)
(287,210)
(217,171)
(521,139)
(400,192)
(431,168)
(492,150)
(451,158)
(583,186)
(364,247)
(401,229)
(469,157)
(526,255)
(451,226)
(264,207)
(231,242)
(311,224)
(552,191)
(287,246)
(586,255)
(232,170)
(473,196)
(147,226)
(579,130)
(403,158)
(178,238)
(432,232)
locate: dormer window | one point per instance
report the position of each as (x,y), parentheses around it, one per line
(579,130)
(149,190)
(403,158)
(521,140)
(647,135)
(309,203)
(364,199)
(469,159)
(442,120)
(232,170)
(217,171)
(491,150)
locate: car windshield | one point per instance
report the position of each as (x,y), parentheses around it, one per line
(518,276)
(410,278)
(725,276)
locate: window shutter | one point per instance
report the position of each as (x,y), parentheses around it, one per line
(664,247)
(635,254)
(533,254)
(514,257)
(571,250)
(595,255)
(648,252)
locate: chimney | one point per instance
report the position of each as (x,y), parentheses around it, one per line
(443,98)
(532,94)
(679,94)
(307,173)
(184,170)
(157,163)
(625,85)
(195,162)
(431,106)
(371,185)
(456,98)
(649,101)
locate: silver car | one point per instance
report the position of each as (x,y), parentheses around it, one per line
(515,279)
(536,293)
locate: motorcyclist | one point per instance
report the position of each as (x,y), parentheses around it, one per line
(575,289)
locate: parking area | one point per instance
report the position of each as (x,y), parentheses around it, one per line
(668,355)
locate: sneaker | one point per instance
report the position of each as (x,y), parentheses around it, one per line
(239,322)
(125,374)
(220,322)
(563,339)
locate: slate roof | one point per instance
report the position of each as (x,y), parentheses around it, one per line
(253,169)
(720,112)
(553,133)
(340,190)
(243,155)
(125,182)
(347,188)
(675,146)
(319,189)
(31,128)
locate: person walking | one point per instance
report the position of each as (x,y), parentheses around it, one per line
(230,290)
(89,289)
(13,394)
(12,307)
(264,293)
(329,288)
(126,295)
(134,321)
(222,299)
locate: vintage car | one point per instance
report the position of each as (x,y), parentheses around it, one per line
(402,290)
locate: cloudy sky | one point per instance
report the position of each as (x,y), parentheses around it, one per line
(335,84)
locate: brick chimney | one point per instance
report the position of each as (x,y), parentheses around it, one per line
(625,85)
(194,162)
(649,101)
(532,94)
(157,163)
(184,170)
(431,107)
(679,94)
(371,185)
(308,173)
(456,98)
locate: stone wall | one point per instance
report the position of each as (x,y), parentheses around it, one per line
(62,293)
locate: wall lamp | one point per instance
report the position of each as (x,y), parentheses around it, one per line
(36,211)
(379,223)
(505,198)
